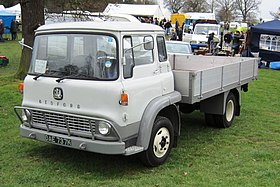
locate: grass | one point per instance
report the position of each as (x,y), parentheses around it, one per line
(247,154)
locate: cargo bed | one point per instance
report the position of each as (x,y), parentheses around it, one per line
(200,77)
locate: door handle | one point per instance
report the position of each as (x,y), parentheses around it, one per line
(156,72)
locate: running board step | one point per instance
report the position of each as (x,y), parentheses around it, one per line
(133,150)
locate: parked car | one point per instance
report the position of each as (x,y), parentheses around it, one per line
(178,47)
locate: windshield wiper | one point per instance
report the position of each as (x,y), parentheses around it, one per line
(70,76)
(37,76)
(50,72)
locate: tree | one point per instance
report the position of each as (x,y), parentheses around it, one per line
(32,14)
(8,3)
(196,6)
(225,10)
(174,5)
(247,7)
(276,15)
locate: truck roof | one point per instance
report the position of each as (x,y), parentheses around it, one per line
(109,26)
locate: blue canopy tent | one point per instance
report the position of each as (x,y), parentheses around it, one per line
(266,40)
(7,18)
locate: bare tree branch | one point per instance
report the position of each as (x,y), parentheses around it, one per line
(247,7)
(174,5)
(196,6)
(226,10)
(276,15)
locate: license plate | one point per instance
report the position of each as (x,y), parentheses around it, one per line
(58,140)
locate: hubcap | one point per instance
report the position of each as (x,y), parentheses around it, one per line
(161,142)
(229,110)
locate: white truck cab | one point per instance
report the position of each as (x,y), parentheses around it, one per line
(108,87)
(201,33)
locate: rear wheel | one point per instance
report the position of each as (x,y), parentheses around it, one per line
(161,142)
(226,119)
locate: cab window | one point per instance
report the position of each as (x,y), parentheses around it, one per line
(137,51)
(162,54)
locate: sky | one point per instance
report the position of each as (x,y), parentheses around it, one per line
(268,6)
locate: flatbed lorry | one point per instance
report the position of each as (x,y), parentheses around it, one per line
(111,88)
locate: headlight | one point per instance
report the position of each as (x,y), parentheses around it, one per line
(104,128)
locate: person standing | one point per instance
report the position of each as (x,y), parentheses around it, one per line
(13,29)
(177,25)
(236,42)
(167,27)
(161,23)
(156,21)
(210,42)
(173,35)
(228,39)
(2,28)
(180,34)
(246,50)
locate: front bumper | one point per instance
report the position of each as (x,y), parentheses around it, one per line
(90,145)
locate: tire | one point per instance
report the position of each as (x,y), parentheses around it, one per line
(225,120)
(210,119)
(161,143)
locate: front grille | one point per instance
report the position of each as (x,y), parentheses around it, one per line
(67,124)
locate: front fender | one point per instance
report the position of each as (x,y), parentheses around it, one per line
(150,114)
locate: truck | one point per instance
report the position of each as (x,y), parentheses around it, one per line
(199,36)
(192,17)
(110,88)
(178,17)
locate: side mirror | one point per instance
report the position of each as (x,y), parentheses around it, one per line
(148,43)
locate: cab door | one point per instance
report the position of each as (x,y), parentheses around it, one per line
(166,75)
(141,74)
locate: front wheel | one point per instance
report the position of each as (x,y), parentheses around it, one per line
(161,142)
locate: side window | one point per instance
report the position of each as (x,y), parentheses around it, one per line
(137,51)
(162,54)
(141,55)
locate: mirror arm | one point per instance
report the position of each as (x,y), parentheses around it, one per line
(24,45)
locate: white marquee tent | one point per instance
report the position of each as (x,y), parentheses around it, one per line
(15,10)
(135,10)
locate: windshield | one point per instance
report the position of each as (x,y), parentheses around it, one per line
(178,48)
(206,29)
(80,56)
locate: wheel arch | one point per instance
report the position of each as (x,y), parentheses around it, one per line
(165,106)
(217,103)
